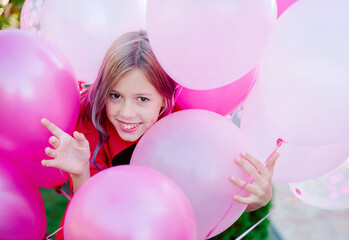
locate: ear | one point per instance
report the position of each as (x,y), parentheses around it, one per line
(164,103)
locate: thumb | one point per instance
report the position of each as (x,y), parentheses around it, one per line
(271,163)
(80,138)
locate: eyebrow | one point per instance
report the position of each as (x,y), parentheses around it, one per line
(137,94)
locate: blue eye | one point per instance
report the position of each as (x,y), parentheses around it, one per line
(115,96)
(143,99)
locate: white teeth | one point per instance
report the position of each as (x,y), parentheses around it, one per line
(128,126)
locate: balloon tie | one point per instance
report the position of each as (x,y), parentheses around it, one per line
(60,191)
(48,237)
(278,144)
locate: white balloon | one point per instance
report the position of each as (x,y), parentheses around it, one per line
(85,29)
(304,74)
(296,163)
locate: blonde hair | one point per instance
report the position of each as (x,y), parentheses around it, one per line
(131,50)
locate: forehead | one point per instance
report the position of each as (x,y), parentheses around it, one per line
(133,82)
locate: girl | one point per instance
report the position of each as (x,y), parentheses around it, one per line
(130,94)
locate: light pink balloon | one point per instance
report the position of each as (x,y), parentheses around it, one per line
(196,149)
(304,73)
(329,191)
(283,5)
(129,202)
(221,100)
(44,177)
(36,81)
(209,44)
(22,210)
(85,29)
(296,163)
(30,15)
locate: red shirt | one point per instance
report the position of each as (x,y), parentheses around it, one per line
(107,152)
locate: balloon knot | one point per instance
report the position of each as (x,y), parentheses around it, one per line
(58,190)
(279,142)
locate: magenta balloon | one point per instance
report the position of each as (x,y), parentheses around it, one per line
(196,149)
(129,202)
(209,44)
(221,100)
(296,163)
(44,177)
(22,210)
(36,81)
(282,5)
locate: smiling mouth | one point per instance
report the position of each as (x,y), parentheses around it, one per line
(129,126)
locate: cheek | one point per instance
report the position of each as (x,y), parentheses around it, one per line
(110,109)
(152,115)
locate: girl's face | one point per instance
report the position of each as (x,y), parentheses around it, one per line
(133,105)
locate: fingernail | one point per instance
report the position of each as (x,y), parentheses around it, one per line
(232,178)
(243,153)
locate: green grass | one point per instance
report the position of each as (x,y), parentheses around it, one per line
(55,205)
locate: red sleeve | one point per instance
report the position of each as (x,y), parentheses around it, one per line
(92,136)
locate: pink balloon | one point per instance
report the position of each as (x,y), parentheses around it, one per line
(196,149)
(221,100)
(85,29)
(129,202)
(209,44)
(296,163)
(329,191)
(304,73)
(283,5)
(22,210)
(36,81)
(44,177)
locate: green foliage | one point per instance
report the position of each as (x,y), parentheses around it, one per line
(55,205)
(246,221)
(10,13)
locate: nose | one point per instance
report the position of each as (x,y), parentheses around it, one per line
(127,111)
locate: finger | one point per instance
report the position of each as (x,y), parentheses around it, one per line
(80,138)
(52,128)
(245,165)
(48,163)
(51,152)
(271,163)
(240,183)
(244,200)
(255,162)
(54,141)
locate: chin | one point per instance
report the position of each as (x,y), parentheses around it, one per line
(129,138)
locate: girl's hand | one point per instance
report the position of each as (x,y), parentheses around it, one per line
(260,188)
(70,154)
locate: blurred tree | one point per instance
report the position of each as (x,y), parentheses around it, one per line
(10,11)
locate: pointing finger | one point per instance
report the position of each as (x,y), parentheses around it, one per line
(52,128)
